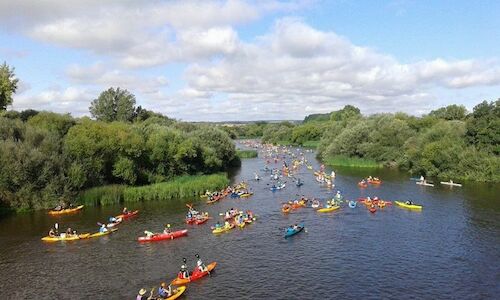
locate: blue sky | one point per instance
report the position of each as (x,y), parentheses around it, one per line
(253,60)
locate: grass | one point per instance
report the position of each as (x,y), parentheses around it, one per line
(283,143)
(102,195)
(311,144)
(345,161)
(181,187)
(246,153)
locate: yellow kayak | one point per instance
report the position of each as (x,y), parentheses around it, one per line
(65,211)
(177,293)
(409,206)
(246,195)
(64,238)
(98,234)
(329,209)
(222,229)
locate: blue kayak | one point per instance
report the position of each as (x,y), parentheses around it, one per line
(352,204)
(290,231)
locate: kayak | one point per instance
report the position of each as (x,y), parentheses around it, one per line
(286,208)
(424,183)
(201,221)
(111,225)
(328,209)
(98,234)
(65,211)
(241,225)
(129,215)
(450,183)
(64,238)
(246,195)
(195,275)
(177,293)
(374,181)
(290,231)
(352,204)
(222,229)
(409,206)
(163,236)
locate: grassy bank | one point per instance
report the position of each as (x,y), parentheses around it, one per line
(345,161)
(180,187)
(311,144)
(246,153)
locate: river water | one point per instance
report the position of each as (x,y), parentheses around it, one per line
(449,250)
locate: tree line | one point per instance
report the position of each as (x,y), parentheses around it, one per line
(47,157)
(448,143)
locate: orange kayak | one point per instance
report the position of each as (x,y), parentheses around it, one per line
(195,275)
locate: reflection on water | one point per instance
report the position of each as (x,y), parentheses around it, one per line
(449,250)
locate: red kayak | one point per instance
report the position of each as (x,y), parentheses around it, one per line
(195,275)
(190,220)
(129,215)
(163,236)
(201,221)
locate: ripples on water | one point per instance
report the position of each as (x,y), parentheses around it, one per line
(450,250)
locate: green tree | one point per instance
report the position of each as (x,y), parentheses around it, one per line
(483,127)
(450,112)
(346,113)
(114,105)
(8,85)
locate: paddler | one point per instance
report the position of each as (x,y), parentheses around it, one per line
(183,273)
(103,228)
(165,291)
(218,225)
(149,234)
(142,295)
(200,264)
(409,202)
(125,211)
(52,232)
(167,229)
(226,224)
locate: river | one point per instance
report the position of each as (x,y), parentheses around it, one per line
(449,250)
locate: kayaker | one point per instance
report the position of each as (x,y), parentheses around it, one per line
(200,264)
(141,295)
(409,202)
(125,211)
(52,232)
(165,291)
(422,178)
(218,225)
(69,231)
(183,273)
(103,228)
(167,229)
(226,224)
(149,234)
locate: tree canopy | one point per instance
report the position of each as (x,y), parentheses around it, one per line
(8,85)
(113,105)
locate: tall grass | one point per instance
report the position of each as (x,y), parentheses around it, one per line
(247,153)
(102,195)
(181,187)
(346,161)
(311,144)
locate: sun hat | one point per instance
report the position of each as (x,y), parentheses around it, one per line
(142,292)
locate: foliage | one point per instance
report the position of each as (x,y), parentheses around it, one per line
(483,127)
(8,85)
(450,112)
(345,161)
(113,105)
(317,118)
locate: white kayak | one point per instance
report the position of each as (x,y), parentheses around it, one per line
(424,183)
(450,183)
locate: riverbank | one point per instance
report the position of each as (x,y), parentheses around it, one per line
(180,187)
(355,162)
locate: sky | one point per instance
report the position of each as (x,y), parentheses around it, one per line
(253,60)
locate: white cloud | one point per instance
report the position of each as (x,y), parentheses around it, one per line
(71,99)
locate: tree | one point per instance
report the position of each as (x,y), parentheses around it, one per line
(113,105)
(450,112)
(482,127)
(8,85)
(346,113)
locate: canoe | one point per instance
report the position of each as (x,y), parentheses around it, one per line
(163,236)
(409,206)
(177,293)
(328,209)
(222,229)
(72,238)
(352,204)
(129,215)
(195,275)
(424,183)
(65,211)
(290,231)
(98,234)
(450,183)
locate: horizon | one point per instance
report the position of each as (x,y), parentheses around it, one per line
(249,61)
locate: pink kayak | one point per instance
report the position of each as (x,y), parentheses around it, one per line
(163,236)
